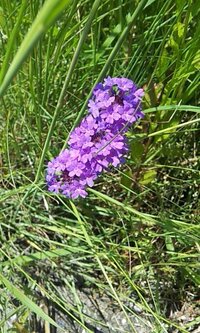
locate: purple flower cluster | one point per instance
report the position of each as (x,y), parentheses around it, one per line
(99,141)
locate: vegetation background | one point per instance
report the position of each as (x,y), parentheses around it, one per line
(136,236)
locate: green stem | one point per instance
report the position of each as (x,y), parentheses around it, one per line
(45,18)
(111,58)
(67,80)
(11,40)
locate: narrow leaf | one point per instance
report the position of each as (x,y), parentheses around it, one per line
(27,301)
(45,18)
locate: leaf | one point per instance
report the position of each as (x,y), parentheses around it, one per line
(164,62)
(26,259)
(149,2)
(19,294)
(177,107)
(170,128)
(2,18)
(192,275)
(126,179)
(12,39)
(109,40)
(195,8)
(169,243)
(176,36)
(179,5)
(137,150)
(45,18)
(147,218)
(148,177)
(196,60)
(166,130)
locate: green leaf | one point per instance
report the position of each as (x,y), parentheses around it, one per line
(180,4)
(27,259)
(177,107)
(2,18)
(149,2)
(148,177)
(169,243)
(66,83)
(144,217)
(12,39)
(126,179)
(196,60)
(137,150)
(192,275)
(164,62)
(109,40)
(19,294)
(45,18)
(176,36)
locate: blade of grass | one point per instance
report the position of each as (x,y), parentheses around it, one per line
(112,55)
(27,301)
(45,18)
(26,259)
(102,267)
(11,40)
(67,80)
(148,218)
(174,127)
(177,107)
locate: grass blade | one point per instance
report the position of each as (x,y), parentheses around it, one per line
(46,17)
(112,55)
(27,301)
(11,41)
(67,80)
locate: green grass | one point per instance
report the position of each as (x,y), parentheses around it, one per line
(137,233)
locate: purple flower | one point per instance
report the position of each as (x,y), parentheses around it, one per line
(67,175)
(99,142)
(117,101)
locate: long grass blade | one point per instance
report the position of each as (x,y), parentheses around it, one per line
(112,55)
(11,41)
(67,80)
(46,17)
(16,292)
